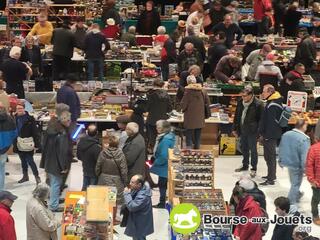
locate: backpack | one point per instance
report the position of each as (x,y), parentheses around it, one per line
(286,113)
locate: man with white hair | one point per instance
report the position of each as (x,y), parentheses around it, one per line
(188,57)
(161,37)
(130,36)
(135,151)
(15,72)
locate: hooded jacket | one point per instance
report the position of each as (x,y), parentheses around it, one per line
(112,170)
(158,106)
(8,132)
(57,149)
(293,149)
(7,230)
(140,220)
(193,106)
(160,165)
(88,150)
(249,208)
(268,127)
(268,67)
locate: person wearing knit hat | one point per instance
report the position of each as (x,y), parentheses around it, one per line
(57,153)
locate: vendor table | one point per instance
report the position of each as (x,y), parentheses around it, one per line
(50,97)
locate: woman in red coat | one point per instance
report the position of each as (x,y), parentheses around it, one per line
(248,207)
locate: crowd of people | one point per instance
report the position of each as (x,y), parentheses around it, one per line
(121,161)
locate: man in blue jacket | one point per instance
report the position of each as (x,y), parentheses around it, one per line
(270,131)
(67,95)
(137,199)
(293,151)
(8,133)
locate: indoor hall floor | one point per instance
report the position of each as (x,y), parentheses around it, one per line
(225,179)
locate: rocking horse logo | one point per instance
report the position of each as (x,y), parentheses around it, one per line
(185,218)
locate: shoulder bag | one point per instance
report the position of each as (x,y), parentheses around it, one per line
(25,144)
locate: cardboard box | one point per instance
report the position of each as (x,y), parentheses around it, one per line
(97,204)
(228,145)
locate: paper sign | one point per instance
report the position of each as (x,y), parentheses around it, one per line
(297,101)
(316,92)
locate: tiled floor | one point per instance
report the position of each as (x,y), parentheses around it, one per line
(225,179)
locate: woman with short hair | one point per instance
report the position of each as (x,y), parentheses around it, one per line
(165,140)
(41,223)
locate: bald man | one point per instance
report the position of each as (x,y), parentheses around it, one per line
(233,31)
(88,151)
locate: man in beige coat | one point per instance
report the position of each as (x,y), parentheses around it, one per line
(41,223)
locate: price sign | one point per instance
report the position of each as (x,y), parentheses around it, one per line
(316,92)
(297,101)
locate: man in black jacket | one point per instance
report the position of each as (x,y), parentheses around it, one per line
(93,45)
(63,41)
(217,51)
(57,153)
(246,123)
(270,131)
(306,52)
(284,231)
(230,29)
(293,81)
(195,40)
(88,151)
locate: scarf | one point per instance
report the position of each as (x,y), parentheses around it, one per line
(159,137)
(245,109)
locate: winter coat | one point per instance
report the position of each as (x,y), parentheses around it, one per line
(14,72)
(185,60)
(148,22)
(57,149)
(293,149)
(140,220)
(80,35)
(197,43)
(41,223)
(93,44)
(254,60)
(7,229)
(158,106)
(112,170)
(67,95)
(135,152)
(8,132)
(215,53)
(28,129)
(251,121)
(249,208)
(257,195)
(183,83)
(296,85)
(260,7)
(306,53)
(284,232)
(268,127)
(224,70)
(63,42)
(88,151)
(193,106)
(313,164)
(268,67)
(160,165)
